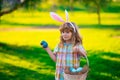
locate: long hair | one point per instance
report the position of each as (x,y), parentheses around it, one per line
(76,38)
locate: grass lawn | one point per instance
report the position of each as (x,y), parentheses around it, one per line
(22,58)
(38,19)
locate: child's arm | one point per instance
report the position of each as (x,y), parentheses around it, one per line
(51,54)
(45,46)
(80,50)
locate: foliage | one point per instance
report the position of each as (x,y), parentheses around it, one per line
(8,6)
(102,3)
(96,5)
(31,4)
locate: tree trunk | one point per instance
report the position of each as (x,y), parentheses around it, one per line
(12,9)
(98,13)
(71,5)
(6,12)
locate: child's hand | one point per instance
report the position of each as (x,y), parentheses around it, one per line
(44,44)
(75,49)
(79,50)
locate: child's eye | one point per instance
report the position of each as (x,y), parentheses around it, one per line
(67,32)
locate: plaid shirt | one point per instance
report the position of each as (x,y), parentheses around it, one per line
(65,57)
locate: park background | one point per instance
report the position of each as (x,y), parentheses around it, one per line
(24,23)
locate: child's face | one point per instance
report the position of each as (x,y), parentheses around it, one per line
(66,35)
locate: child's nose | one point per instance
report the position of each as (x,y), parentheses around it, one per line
(65,33)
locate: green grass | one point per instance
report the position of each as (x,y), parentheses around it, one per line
(22,58)
(35,18)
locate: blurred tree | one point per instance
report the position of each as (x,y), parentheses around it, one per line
(32,4)
(8,6)
(68,3)
(71,4)
(97,5)
(53,4)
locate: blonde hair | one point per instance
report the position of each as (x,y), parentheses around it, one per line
(76,38)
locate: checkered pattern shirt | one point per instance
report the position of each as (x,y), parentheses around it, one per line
(65,57)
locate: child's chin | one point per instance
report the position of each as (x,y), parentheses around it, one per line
(66,39)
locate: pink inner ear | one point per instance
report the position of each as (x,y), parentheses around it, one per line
(56,17)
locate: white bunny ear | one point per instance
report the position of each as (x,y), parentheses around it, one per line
(67,15)
(56,17)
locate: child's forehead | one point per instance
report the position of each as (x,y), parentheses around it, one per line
(66,30)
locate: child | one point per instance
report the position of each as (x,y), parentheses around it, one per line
(67,53)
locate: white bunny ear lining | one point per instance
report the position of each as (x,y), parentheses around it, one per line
(56,17)
(67,15)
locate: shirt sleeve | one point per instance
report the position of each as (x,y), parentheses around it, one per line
(81,48)
(55,50)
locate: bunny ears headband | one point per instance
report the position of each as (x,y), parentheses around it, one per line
(58,18)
